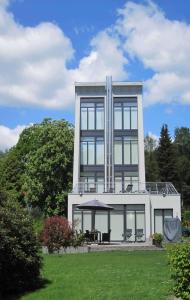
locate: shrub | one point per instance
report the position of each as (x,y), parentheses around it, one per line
(179,259)
(57,233)
(20,261)
(78,239)
(157,238)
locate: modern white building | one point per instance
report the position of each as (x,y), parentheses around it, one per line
(109,164)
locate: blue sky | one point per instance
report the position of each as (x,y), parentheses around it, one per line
(46,45)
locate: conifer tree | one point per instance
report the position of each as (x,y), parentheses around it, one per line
(166,157)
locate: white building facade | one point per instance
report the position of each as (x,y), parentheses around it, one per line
(109,165)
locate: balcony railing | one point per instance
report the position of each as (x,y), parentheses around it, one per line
(120,187)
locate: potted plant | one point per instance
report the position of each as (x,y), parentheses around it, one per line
(157,239)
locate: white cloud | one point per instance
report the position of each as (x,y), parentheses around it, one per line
(9,137)
(162,45)
(33,63)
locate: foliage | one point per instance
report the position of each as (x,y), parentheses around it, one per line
(78,239)
(57,233)
(179,258)
(133,275)
(166,157)
(38,170)
(48,174)
(151,164)
(20,261)
(158,237)
(186,218)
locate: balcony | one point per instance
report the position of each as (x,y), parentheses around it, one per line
(125,187)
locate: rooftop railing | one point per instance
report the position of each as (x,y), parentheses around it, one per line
(125,187)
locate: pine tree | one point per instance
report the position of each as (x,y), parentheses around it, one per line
(166,157)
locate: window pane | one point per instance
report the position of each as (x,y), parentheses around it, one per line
(101,221)
(134,118)
(168,213)
(100,185)
(78,220)
(99,118)
(91,118)
(87,219)
(140,225)
(158,221)
(91,153)
(126,117)
(127,152)
(134,151)
(100,152)
(116,225)
(118,184)
(83,153)
(130,225)
(83,118)
(118,152)
(117,118)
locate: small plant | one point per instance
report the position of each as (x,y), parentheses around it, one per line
(179,259)
(157,239)
(57,233)
(78,239)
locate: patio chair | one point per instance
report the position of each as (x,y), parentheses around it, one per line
(128,234)
(139,235)
(106,236)
(129,188)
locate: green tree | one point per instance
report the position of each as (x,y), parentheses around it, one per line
(182,148)
(48,167)
(151,165)
(20,261)
(166,157)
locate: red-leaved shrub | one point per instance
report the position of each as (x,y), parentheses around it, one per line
(57,233)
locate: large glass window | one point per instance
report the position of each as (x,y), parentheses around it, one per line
(134,152)
(118,151)
(92,151)
(92,116)
(134,119)
(117,116)
(159,216)
(126,150)
(99,116)
(99,151)
(125,116)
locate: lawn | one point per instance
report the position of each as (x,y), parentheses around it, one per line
(113,275)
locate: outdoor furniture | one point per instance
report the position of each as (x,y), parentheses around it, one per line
(106,236)
(128,234)
(129,188)
(91,236)
(139,234)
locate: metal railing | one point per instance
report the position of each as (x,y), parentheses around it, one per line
(164,188)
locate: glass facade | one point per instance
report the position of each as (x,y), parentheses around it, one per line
(92,116)
(126,222)
(125,151)
(92,151)
(125,116)
(159,216)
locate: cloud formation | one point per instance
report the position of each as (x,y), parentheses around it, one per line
(33,63)
(9,137)
(162,45)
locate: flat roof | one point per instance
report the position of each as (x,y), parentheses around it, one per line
(114,83)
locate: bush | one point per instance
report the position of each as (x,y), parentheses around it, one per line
(179,258)
(57,233)
(20,261)
(157,238)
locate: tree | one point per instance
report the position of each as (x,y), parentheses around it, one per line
(166,157)
(20,261)
(151,165)
(48,166)
(182,148)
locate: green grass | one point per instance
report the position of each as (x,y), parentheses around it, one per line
(113,275)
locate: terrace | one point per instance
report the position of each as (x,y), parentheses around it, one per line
(125,187)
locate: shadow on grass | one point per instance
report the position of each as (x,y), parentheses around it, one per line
(41,285)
